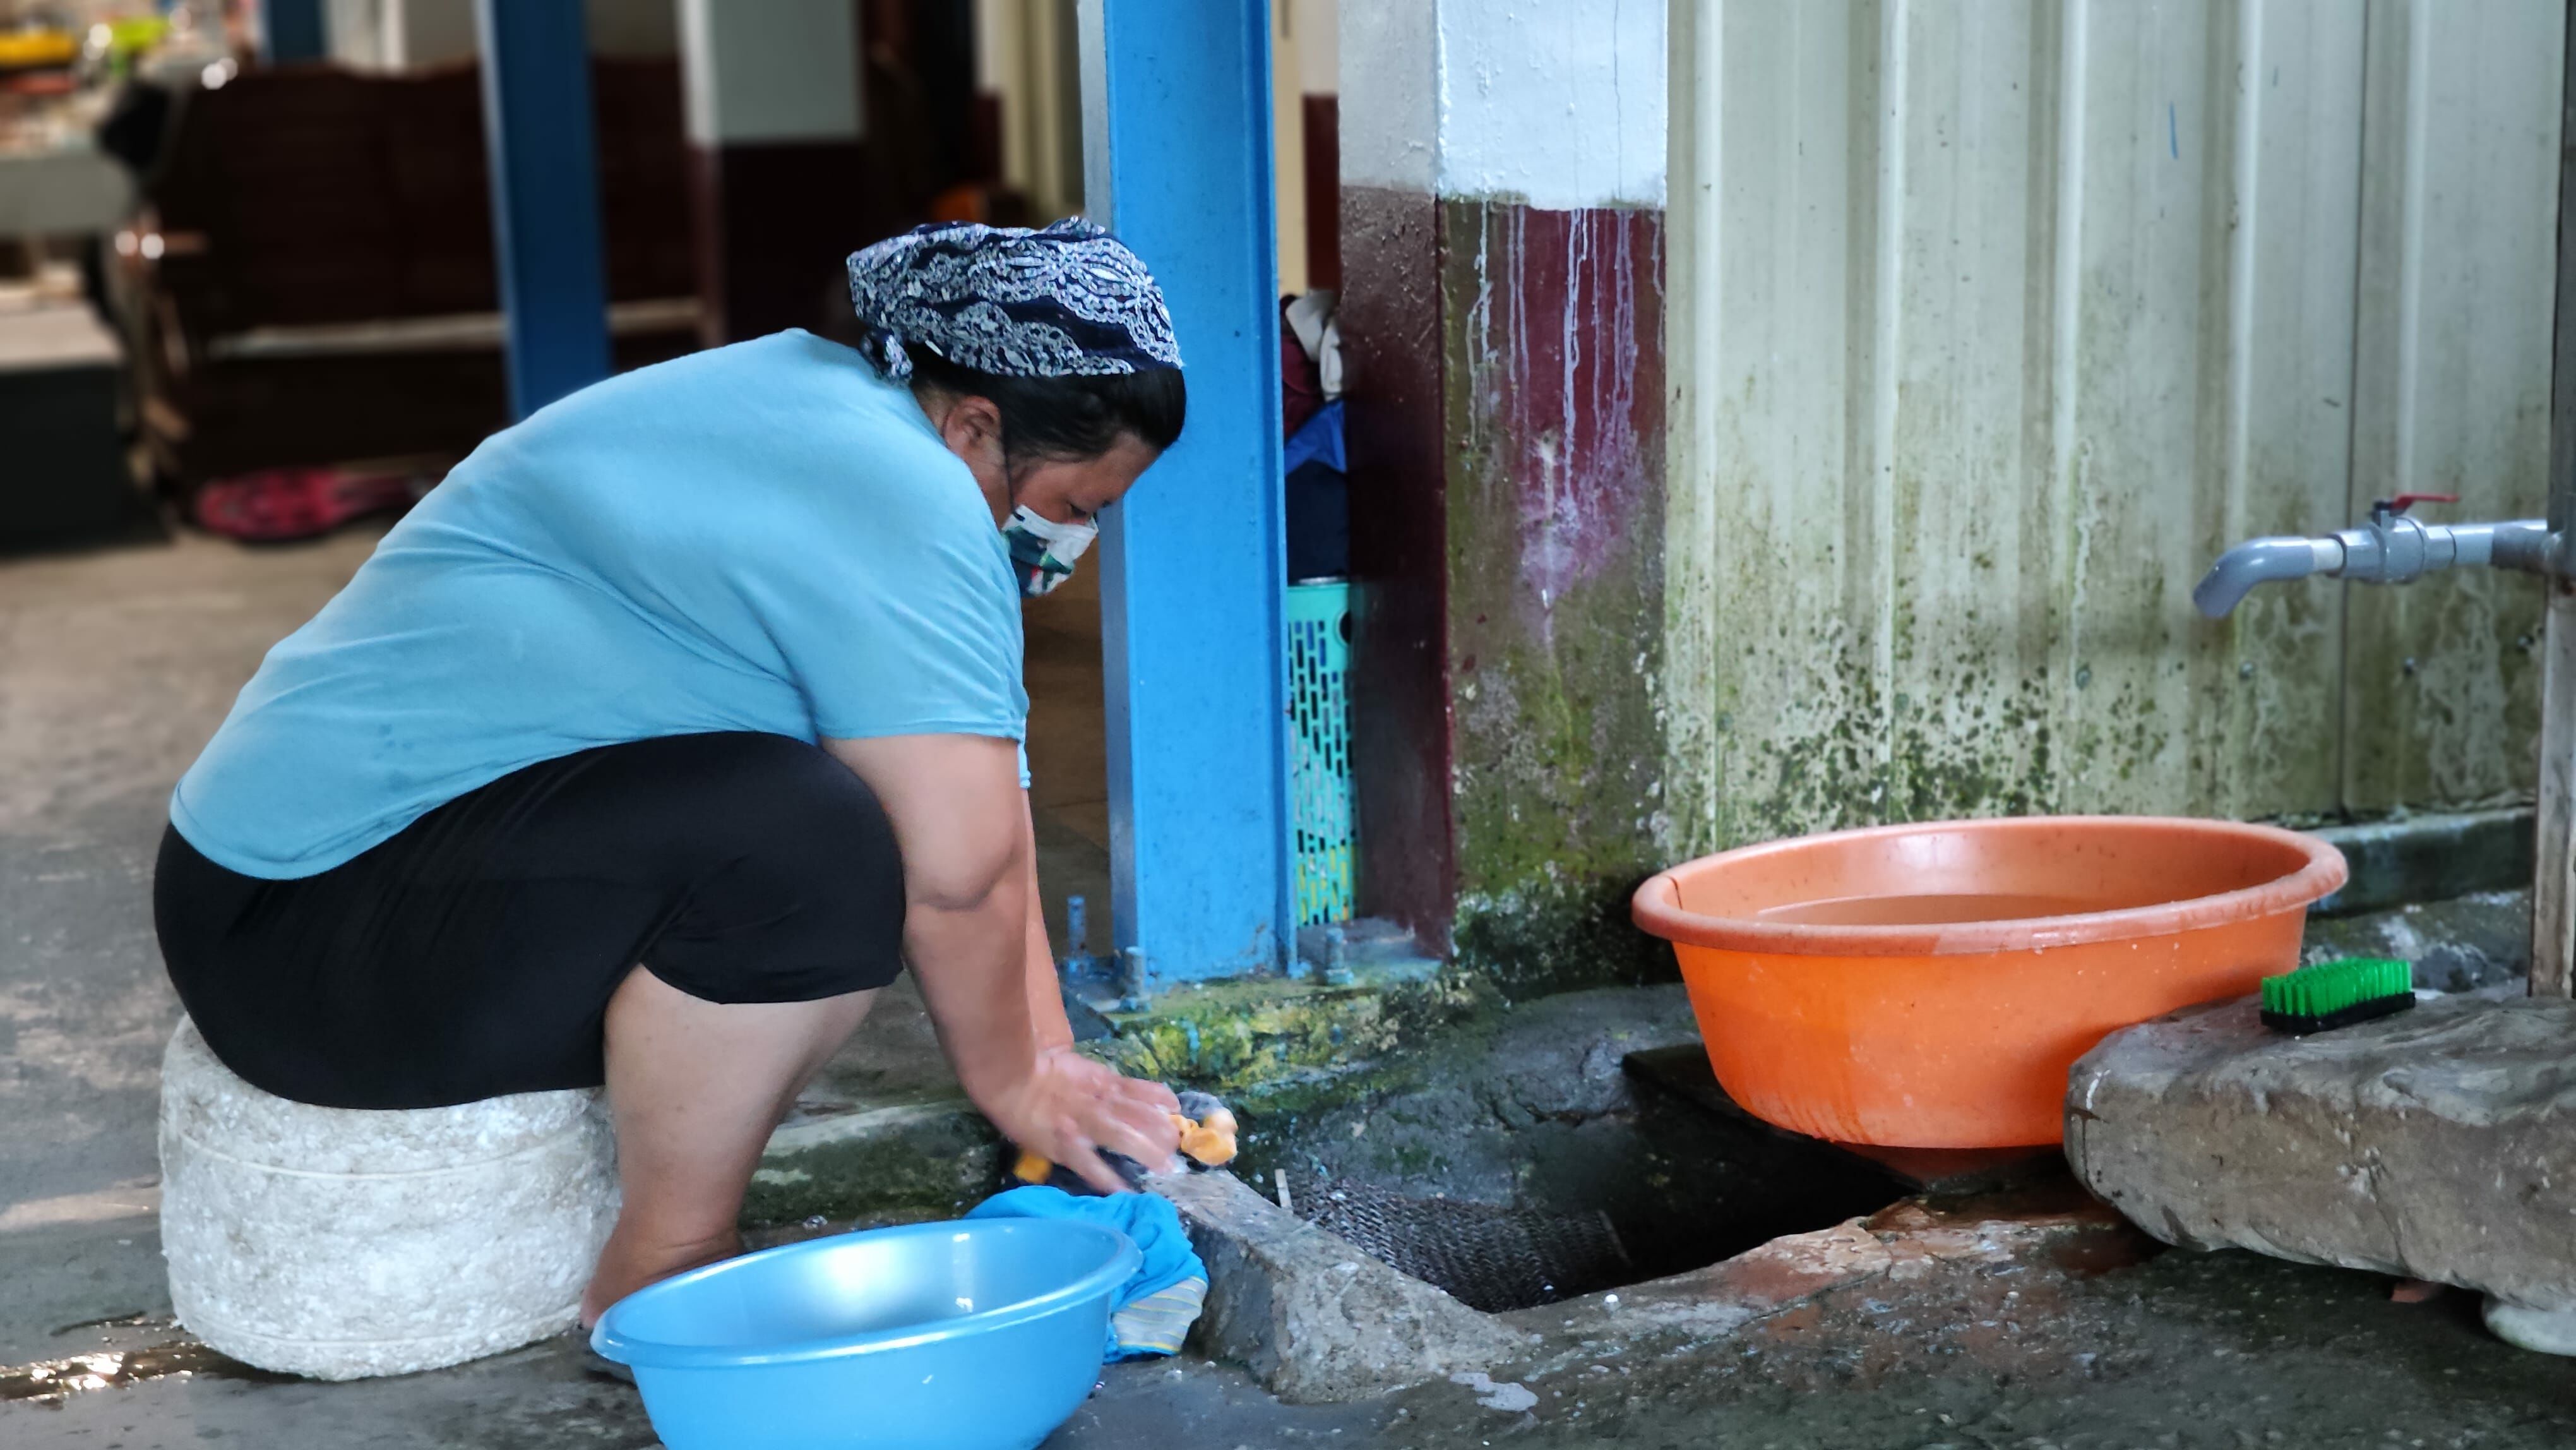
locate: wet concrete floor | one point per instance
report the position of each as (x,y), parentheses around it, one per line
(115,665)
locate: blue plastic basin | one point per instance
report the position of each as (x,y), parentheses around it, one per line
(981,1335)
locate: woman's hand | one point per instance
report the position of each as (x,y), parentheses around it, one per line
(971,933)
(1068,1107)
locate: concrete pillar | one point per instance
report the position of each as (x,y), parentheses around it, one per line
(1316,27)
(1288,144)
(392,35)
(2553,901)
(2553,905)
(1502,246)
(1391,316)
(1028,66)
(777,171)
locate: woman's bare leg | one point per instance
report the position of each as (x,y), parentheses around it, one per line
(695,1089)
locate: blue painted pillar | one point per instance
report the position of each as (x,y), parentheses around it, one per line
(1176,131)
(291,30)
(545,196)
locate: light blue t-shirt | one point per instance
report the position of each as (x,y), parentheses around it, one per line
(767,536)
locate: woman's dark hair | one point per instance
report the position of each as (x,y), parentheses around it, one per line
(1072,418)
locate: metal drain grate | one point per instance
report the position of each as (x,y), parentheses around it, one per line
(1485,1257)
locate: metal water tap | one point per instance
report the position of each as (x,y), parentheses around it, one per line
(2392,548)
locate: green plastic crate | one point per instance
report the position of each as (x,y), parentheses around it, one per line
(1321,806)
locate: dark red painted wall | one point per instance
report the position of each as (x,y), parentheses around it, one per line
(1323,183)
(1554,371)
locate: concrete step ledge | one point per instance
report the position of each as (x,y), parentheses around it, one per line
(1314,1318)
(891,1163)
(2430,1145)
(2431,857)
(1318,1321)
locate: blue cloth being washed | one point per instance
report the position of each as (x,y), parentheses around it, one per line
(1160,1300)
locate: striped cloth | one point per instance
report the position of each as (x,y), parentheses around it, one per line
(1157,1323)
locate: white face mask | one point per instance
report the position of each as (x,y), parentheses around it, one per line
(1042,550)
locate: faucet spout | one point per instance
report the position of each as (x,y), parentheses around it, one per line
(2391,548)
(2259,560)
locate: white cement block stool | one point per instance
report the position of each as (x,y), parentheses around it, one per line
(341,1244)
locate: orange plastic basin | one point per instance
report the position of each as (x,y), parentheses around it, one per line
(1929,986)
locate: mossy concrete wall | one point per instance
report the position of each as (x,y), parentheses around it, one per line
(1553,360)
(1997,333)
(1260,1034)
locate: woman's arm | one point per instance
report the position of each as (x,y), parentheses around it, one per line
(970,928)
(1046,999)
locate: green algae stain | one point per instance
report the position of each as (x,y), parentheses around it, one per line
(1554,411)
(1263,1033)
(1559,931)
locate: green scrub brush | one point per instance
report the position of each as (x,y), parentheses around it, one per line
(2337,994)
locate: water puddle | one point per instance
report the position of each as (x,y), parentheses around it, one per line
(179,1358)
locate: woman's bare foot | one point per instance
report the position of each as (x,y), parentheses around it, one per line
(631,1260)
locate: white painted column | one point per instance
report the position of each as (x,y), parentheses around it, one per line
(1389,73)
(394,35)
(1025,57)
(782,70)
(1288,143)
(779,174)
(1560,106)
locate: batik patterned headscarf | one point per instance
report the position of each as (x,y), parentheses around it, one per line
(1068,300)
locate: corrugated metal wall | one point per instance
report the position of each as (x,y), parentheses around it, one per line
(1992,323)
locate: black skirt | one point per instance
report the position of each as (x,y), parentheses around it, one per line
(474,953)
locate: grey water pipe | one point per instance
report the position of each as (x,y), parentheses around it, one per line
(2391,548)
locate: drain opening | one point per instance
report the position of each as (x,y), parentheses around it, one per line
(1680,1179)
(1485,1256)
